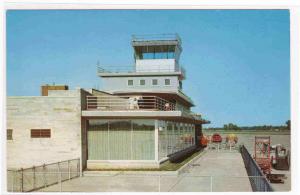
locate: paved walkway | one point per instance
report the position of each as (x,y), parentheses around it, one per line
(214,171)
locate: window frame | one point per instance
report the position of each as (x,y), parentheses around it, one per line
(128,82)
(169,82)
(144,82)
(156,82)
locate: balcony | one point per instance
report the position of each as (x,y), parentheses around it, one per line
(128,103)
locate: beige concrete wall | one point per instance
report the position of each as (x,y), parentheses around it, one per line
(61,114)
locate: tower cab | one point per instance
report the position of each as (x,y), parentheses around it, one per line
(157,54)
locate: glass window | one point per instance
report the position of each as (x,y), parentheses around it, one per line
(154,81)
(167,81)
(143,140)
(130,82)
(163,141)
(98,148)
(148,56)
(170,55)
(142,82)
(170,136)
(119,139)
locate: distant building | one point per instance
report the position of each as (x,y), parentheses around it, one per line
(139,118)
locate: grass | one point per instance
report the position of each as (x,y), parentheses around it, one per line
(250,132)
(165,166)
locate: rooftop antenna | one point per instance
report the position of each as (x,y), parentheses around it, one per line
(98,66)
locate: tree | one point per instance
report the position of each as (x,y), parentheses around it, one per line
(231,126)
(288,124)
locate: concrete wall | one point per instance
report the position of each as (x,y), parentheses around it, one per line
(113,84)
(155,65)
(61,114)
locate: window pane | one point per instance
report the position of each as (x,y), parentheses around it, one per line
(142,82)
(143,140)
(170,55)
(154,82)
(170,136)
(130,82)
(167,81)
(148,55)
(120,139)
(98,140)
(162,134)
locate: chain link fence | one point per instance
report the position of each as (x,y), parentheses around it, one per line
(35,178)
(257,179)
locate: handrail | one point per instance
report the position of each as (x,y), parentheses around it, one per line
(257,184)
(157,37)
(128,103)
(131,69)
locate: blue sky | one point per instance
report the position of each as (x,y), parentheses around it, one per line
(237,61)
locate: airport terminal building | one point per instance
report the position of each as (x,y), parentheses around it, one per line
(138,119)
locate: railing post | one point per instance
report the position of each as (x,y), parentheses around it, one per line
(59,177)
(13,180)
(211,183)
(44,175)
(69,170)
(33,184)
(159,183)
(21,182)
(78,169)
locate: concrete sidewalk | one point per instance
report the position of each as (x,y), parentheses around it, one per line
(214,171)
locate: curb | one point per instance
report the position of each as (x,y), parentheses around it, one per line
(184,167)
(149,173)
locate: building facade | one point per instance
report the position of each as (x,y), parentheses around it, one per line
(139,119)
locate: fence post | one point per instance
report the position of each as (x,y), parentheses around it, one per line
(69,170)
(33,184)
(159,183)
(211,183)
(59,177)
(78,170)
(44,175)
(21,180)
(13,180)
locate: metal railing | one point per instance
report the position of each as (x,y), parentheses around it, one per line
(132,69)
(37,177)
(128,103)
(157,37)
(258,180)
